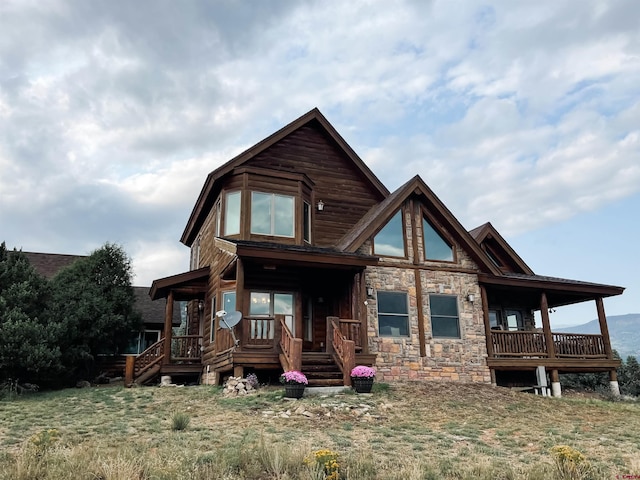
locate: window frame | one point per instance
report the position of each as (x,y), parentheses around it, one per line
(306,222)
(212,330)
(272,214)
(404,235)
(456,317)
(393,314)
(272,314)
(426,216)
(226,223)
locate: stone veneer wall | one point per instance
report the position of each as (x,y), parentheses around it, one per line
(447,359)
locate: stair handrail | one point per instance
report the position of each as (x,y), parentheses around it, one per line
(344,352)
(291,348)
(137,365)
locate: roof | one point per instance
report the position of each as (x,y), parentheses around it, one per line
(48,264)
(488,232)
(210,189)
(378,215)
(152,312)
(319,257)
(185,286)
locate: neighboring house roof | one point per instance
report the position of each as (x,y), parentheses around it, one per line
(208,193)
(153,312)
(48,264)
(488,233)
(380,214)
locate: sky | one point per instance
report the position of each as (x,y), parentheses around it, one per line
(525,114)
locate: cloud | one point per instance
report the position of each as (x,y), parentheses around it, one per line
(112,114)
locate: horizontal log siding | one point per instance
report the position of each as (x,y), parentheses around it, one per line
(346,193)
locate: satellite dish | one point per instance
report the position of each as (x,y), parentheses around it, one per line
(231,319)
(228,321)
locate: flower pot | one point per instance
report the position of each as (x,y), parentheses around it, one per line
(294,390)
(362,384)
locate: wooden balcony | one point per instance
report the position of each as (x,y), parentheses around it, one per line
(570,352)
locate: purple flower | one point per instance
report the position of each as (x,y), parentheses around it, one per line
(293,377)
(363,372)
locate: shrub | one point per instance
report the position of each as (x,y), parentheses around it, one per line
(180,421)
(326,461)
(570,463)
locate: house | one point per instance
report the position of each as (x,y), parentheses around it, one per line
(153,313)
(329,269)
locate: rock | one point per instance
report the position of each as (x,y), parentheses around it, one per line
(83,384)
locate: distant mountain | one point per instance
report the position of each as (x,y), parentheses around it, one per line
(624,331)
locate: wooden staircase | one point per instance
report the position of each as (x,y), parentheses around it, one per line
(321,370)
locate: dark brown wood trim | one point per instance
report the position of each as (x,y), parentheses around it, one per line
(362,311)
(337,260)
(550,285)
(562,364)
(488,231)
(421,334)
(546,326)
(487,322)
(604,328)
(168,328)
(240,298)
(414,232)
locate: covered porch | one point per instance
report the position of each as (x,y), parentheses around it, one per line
(514,343)
(302,309)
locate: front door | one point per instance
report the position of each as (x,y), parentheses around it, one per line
(316,310)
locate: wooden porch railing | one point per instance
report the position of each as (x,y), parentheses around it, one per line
(223,340)
(533,344)
(291,346)
(344,351)
(136,366)
(186,348)
(260,331)
(352,330)
(579,345)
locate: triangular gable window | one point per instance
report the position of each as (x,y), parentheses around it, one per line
(390,240)
(435,247)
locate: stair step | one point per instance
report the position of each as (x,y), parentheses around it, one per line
(333,374)
(326,382)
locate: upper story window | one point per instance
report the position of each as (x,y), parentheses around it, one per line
(232,213)
(272,214)
(435,247)
(390,240)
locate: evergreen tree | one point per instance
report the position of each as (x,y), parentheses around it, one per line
(93,302)
(29,348)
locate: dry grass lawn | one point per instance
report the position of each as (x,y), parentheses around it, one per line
(413,430)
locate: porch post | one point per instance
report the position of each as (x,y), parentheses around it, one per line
(240,301)
(546,326)
(168,328)
(556,389)
(604,329)
(363,311)
(487,325)
(613,383)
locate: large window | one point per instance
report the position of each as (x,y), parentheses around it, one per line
(140,341)
(435,247)
(444,316)
(269,304)
(393,314)
(272,214)
(232,213)
(390,240)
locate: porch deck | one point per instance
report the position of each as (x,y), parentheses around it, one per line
(567,352)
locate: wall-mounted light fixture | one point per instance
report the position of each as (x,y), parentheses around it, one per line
(320,205)
(369,291)
(200,305)
(471,297)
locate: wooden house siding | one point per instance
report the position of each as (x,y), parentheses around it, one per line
(346,194)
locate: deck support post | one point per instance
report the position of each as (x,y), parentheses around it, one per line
(238,371)
(556,389)
(604,330)
(494,382)
(168,328)
(546,327)
(613,383)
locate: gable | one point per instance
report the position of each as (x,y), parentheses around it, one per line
(498,250)
(418,202)
(308,146)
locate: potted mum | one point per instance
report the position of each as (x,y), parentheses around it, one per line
(294,383)
(362,378)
